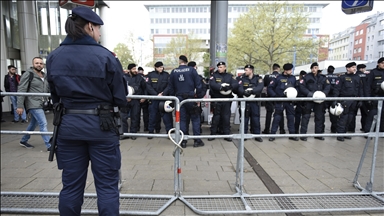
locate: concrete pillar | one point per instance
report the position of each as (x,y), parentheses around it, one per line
(212,48)
(28,32)
(3,45)
(222,30)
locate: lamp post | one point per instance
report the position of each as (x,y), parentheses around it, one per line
(141,50)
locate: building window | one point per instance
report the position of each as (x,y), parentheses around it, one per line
(356,42)
(152,31)
(229,20)
(361,40)
(168,31)
(373,37)
(359,50)
(369,38)
(354,50)
(152,21)
(367,48)
(357,33)
(382,22)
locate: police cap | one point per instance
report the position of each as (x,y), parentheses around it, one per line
(276,65)
(249,66)
(359,66)
(158,64)
(220,63)
(350,64)
(314,64)
(303,73)
(380,60)
(140,68)
(183,58)
(192,64)
(330,67)
(288,66)
(88,14)
(130,66)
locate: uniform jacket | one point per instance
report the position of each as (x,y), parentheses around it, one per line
(183,81)
(277,86)
(37,85)
(215,84)
(16,79)
(374,79)
(82,74)
(256,83)
(136,82)
(157,83)
(332,79)
(349,85)
(311,83)
(363,78)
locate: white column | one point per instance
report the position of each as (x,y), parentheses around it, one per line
(28,32)
(3,46)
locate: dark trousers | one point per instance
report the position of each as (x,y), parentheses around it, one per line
(269,106)
(347,116)
(363,119)
(221,115)
(144,108)
(370,117)
(187,113)
(154,114)
(73,158)
(298,115)
(278,116)
(318,110)
(252,113)
(134,109)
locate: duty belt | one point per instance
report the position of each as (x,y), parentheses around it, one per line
(94,111)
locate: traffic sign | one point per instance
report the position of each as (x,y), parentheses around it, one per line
(356,6)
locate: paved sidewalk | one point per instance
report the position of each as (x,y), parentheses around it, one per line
(147,166)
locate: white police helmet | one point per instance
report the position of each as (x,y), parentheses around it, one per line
(382,85)
(225,92)
(290,92)
(166,106)
(131,90)
(318,94)
(336,110)
(250,96)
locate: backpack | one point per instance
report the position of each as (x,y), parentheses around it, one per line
(30,78)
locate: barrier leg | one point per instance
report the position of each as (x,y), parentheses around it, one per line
(240,153)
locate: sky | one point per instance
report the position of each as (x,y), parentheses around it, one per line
(131,16)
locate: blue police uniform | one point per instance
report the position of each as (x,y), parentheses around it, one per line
(308,85)
(298,108)
(204,90)
(276,89)
(349,85)
(133,107)
(144,107)
(373,89)
(221,110)
(332,79)
(363,108)
(157,83)
(82,75)
(252,110)
(182,83)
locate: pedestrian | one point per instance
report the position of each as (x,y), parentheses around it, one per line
(277,88)
(185,83)
(34,104)
(157,85)
(269,105)
(251,84)
(221,85)
(311,83)
(332,79)
(11,83)
(349,85)
(137,83)
(87,80)
(299,104)
(144,102)
(374,88)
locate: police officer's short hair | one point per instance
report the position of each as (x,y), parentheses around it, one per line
(140,69)
(330,69)
(275,66)
(360,66)
(314,64)
(302,73)
(183,58)
(191,64)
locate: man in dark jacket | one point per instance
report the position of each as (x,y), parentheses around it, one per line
(144,102)
(11,83)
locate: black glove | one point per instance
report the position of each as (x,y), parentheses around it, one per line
(334,103)
(368,104)
(359,104)
(310,94)
(106,120)
(247,93)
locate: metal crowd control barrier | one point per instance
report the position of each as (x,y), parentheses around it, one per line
(366,200)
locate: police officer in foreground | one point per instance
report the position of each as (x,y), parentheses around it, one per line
(250,85)
(221,85)
(87,79)
(137,83)
(183,82)
(299,104)
(144,102)
(375,88)
(333,79)
(157,84)
(350,85)
(363,108)
(277,88)
(314,85)
(269,105)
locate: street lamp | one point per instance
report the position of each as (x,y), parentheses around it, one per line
(141,50)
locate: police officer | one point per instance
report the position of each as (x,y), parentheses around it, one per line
(276,89)
(138,84)
(299,104)
(363,108)
(251,84)
(269,105)
(221,85)
(144,102)
(183,83)
(88,81)
(373,89)
(350,85)
(332,79)
(157,84)
(311,83)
